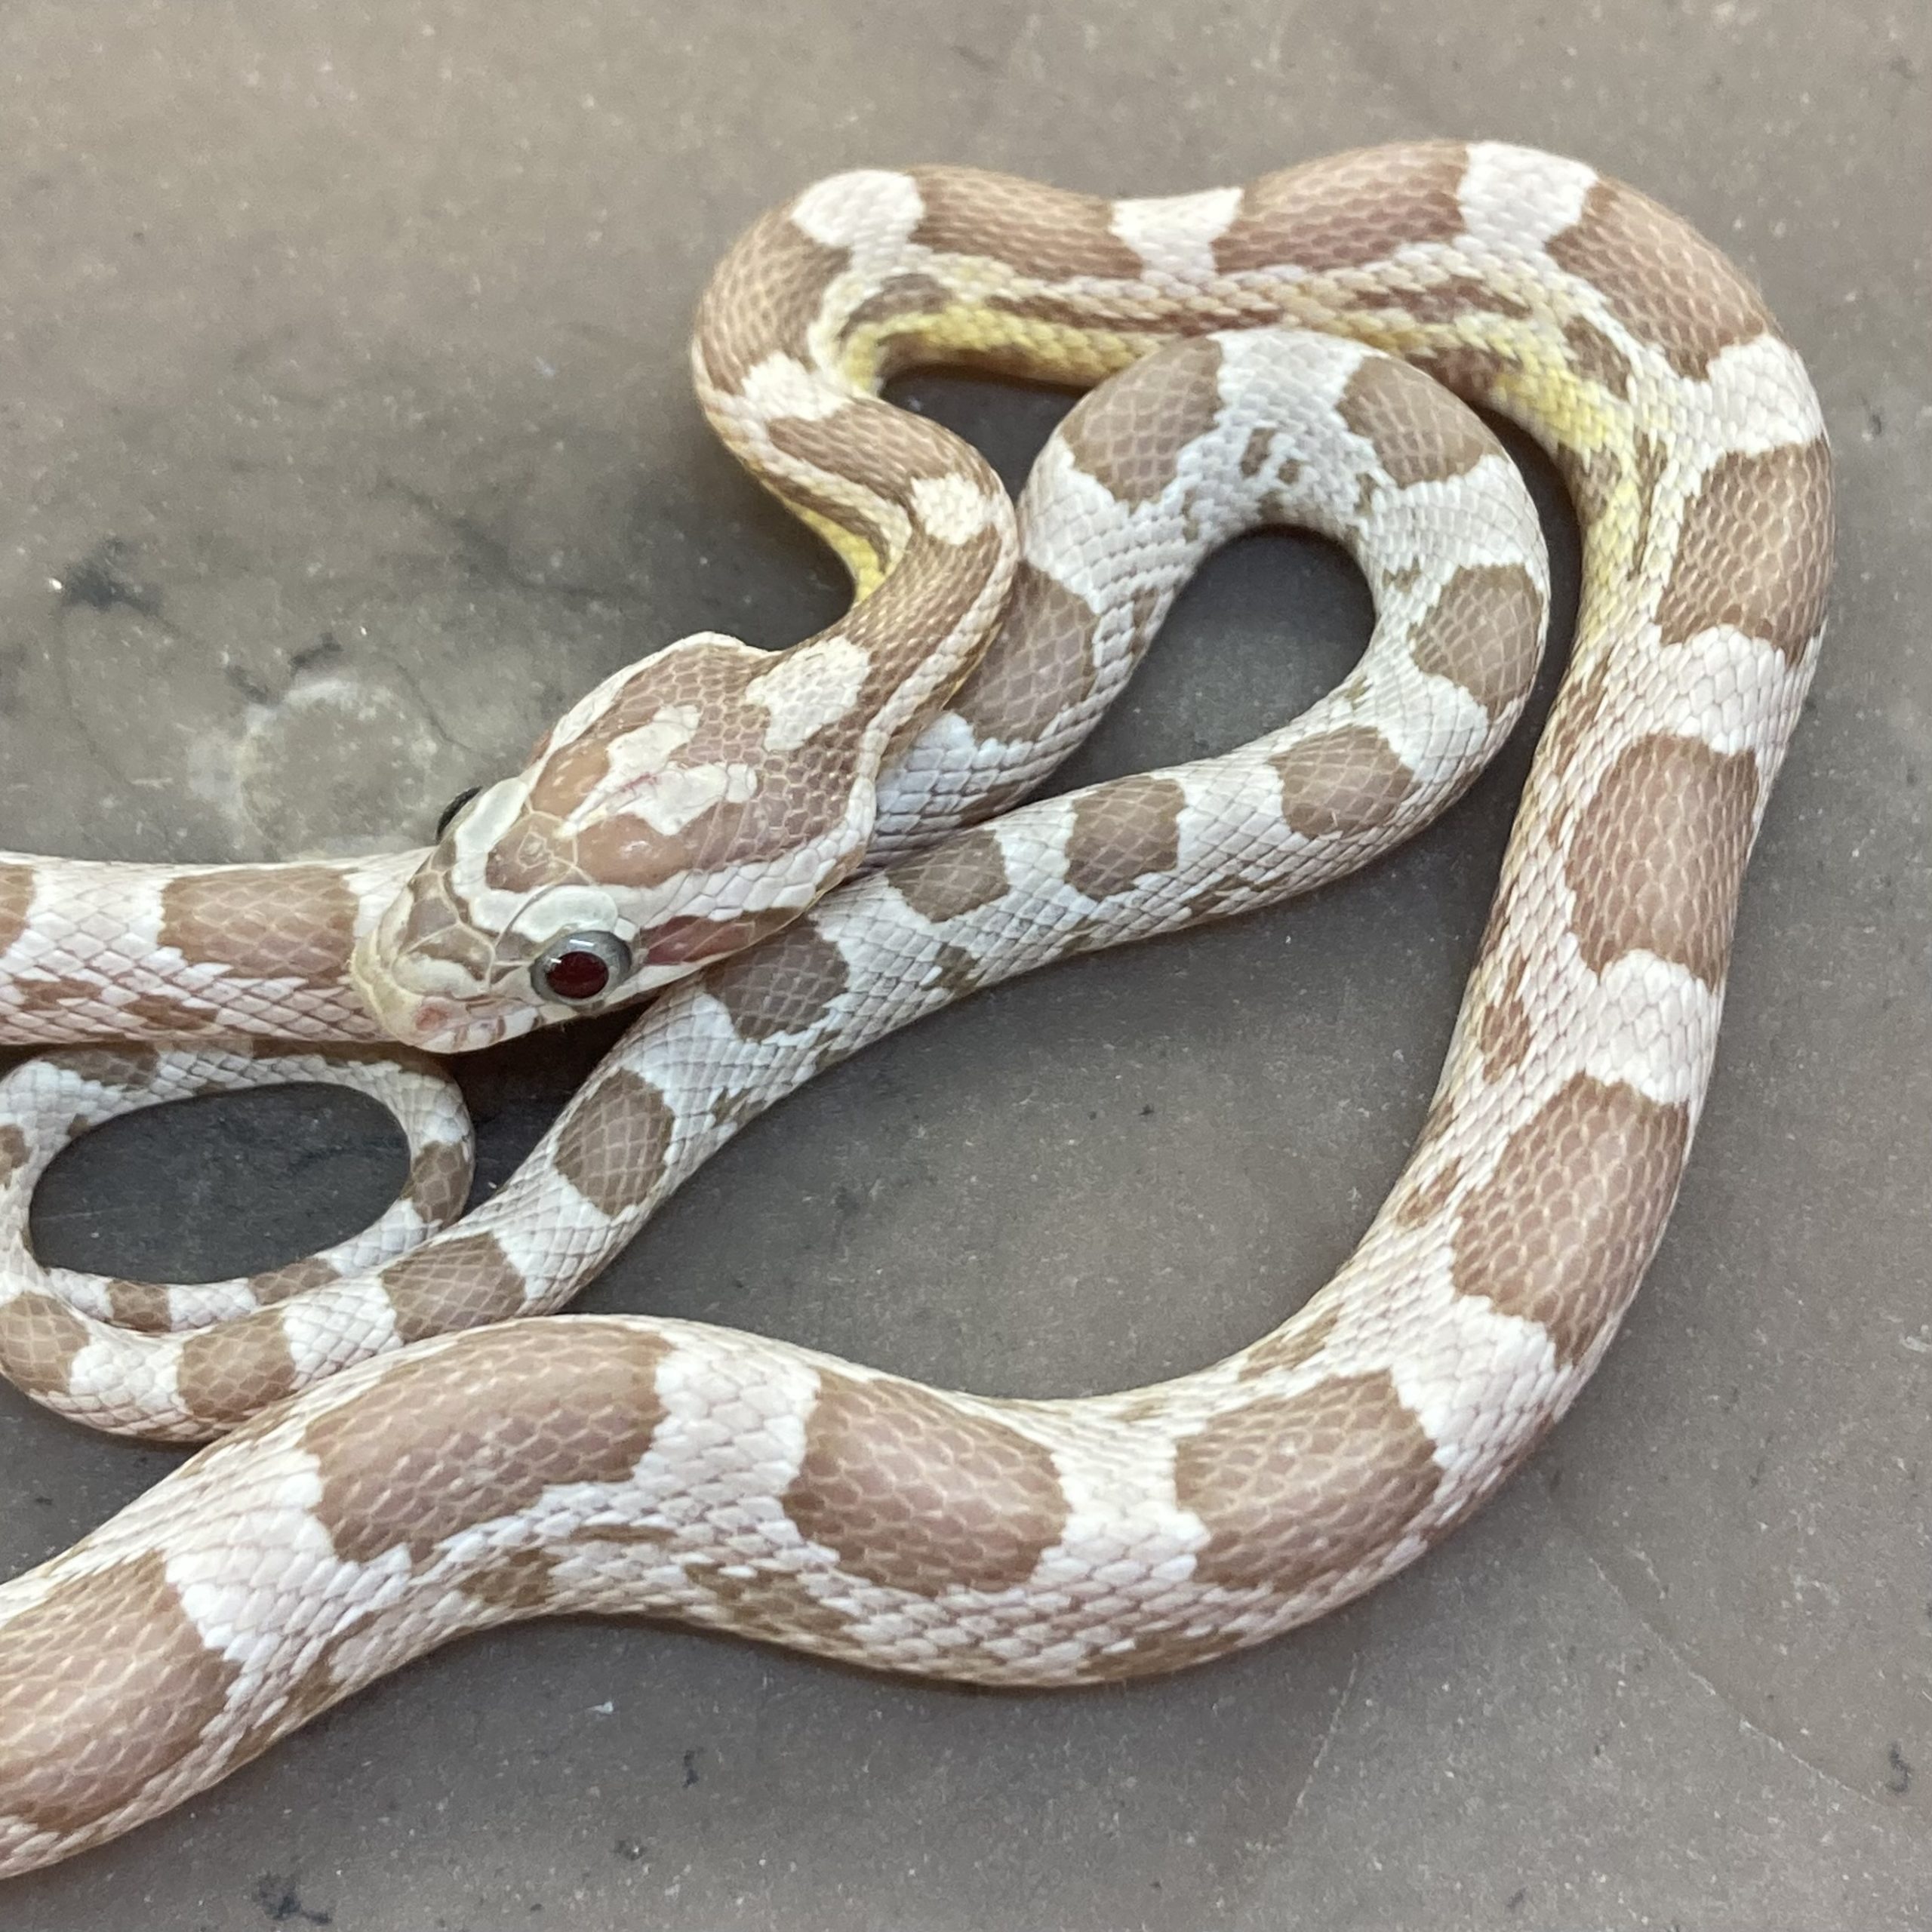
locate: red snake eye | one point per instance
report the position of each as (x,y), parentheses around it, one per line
(580,966)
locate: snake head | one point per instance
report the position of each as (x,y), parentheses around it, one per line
(685,808)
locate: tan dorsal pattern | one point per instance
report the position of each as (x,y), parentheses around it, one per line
(635,1464)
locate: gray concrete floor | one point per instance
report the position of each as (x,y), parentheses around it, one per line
(343,345)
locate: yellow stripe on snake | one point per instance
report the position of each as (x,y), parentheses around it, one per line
(806,842)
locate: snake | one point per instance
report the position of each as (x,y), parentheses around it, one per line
(797,852)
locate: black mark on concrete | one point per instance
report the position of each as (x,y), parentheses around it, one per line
(101,579)
(280,1904)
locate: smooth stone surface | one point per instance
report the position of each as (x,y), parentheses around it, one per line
(347,438)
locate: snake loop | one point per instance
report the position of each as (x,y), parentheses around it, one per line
(417,1488)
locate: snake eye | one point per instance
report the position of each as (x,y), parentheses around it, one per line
(580,966)
(454,806)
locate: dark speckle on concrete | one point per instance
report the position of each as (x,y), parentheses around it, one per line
(388,415)
(281,1905)
(102,578)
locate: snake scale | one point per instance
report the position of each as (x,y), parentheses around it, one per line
(806,843)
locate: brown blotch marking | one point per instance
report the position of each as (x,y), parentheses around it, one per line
(1128,435)
(1663,281)
(1297,1340)
(39,1338)
(613,1148)
(286,922)
(1123,830)
(140,1305)
(293,1277)
(1755,550)
(1148,602)
(763,296)
(773,1604)
(1440,1119)
(1346,210)
(1419,435)
(16,898)
(225,1373)
(917,1495)
(1659,852)
(1561,1232)
(477,1432)
(1596,357)
(1347,780)
(457,1281)
(516,1582)
(1155,1653)
(1505,1035)
(893,308)
(106,1684)
(1041,661)
(1295,1488)
(967,872)
(438,1180)
(1049,233)
(13,1151)
(133,1069)
(958,971)
(1425,1199)
(1255,455)
(876,445)
(1461,368)
(1447,298)
(162,1014)
(787,986)
(919,606)
(1484,632)
(1653,460)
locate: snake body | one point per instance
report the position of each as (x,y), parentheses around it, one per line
(418,1484)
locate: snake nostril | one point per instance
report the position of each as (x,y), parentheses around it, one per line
(454,806)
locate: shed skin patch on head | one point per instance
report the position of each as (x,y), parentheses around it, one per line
(1561,1233)
(1658,854)
(418,1458)
(917,1495)
(1294,1488)
(74,1667)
